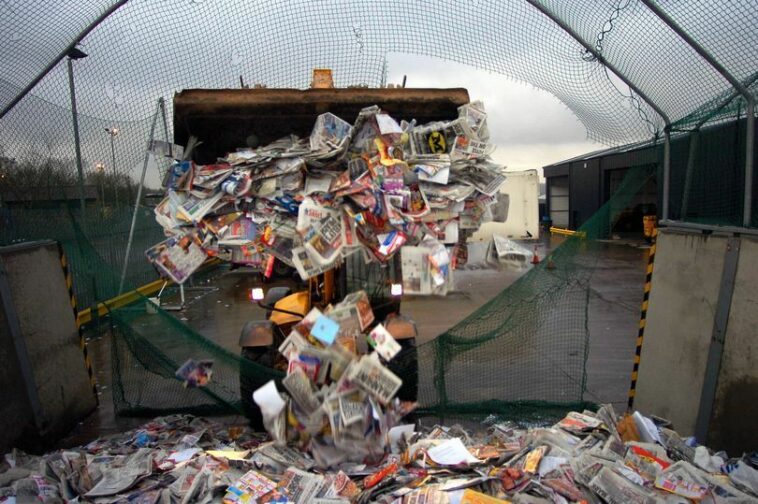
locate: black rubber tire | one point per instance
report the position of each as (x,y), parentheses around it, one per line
(251,381)
(282,270)
(405,366)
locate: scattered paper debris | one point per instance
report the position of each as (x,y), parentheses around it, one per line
(195,373)
(181,458)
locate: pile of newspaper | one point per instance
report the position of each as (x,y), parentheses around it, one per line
(586,457)
(369,188)
(339,401)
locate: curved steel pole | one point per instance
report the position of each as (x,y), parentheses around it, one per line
(110,10)
(633,87)
(744,91)
(600,58)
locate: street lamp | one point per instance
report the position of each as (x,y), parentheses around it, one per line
(100,167)
(76,54)
(112,132)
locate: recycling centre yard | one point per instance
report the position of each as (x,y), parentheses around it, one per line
(405,252)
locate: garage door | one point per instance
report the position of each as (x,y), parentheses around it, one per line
(559,201)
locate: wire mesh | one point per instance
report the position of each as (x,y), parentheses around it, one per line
(708,175)
(528,345)
(146,49)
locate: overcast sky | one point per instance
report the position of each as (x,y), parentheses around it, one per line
(530,127)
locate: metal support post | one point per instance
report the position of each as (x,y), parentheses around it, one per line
(743,90)
(165,137)
(666,172)
(694,141)
(165,124)
(77,145)
(139,195)
(102,190)
(718,336)
(113,162)
(749,152)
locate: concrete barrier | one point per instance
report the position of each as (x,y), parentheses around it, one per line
(694,307)
(46,388)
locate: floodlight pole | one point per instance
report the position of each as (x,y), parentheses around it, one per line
(112,132)
(747,208)
(77,144)
(610,66)
(107,12)
(139,194)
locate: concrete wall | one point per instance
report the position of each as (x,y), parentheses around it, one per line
(15,413)
(735,412)
(682,306)
(42,305)
(682,303)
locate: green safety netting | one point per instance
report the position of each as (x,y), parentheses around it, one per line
(520,356)
(530,342)
(139,51)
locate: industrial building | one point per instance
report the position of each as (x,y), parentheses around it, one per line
(576,188)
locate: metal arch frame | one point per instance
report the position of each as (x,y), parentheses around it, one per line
(610,66)
(732,254)
(110,10)
(736,84)
(731,259)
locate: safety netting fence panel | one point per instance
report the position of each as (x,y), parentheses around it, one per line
(138,51)
(521,356)
(616,64)
(40,192)
(144,50)
(91,264)
(708,174)
(524,353)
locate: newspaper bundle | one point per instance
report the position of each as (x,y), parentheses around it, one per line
(372,187)
(337,402)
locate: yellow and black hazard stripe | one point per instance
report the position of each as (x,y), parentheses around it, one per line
(643,319)
(72,298)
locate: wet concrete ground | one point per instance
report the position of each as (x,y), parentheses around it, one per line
(218,306)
